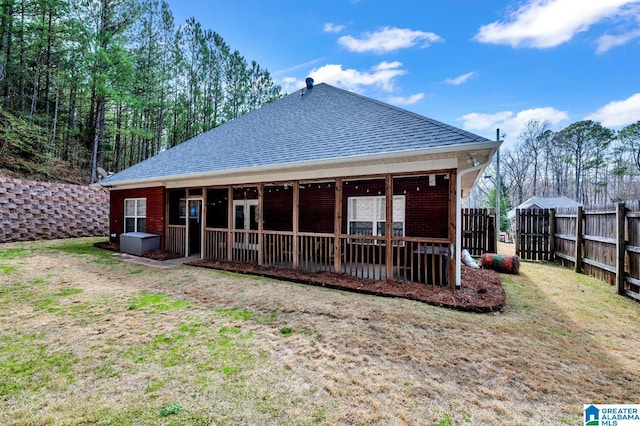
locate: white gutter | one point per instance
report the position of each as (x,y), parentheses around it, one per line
(458,246)
(447,149)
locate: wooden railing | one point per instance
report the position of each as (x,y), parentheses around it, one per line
(245,246)
(363,256)
(278,248)
(316,252)
(176,238)
(215,243)
(423,260)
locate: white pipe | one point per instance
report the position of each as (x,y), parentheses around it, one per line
(458,247)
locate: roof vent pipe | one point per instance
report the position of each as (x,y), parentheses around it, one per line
(309,82)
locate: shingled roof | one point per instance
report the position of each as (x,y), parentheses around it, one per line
(322,123)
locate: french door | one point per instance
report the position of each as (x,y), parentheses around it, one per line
(245,218)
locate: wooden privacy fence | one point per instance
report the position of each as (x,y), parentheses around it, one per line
(533,234)
(601,242)
(479,231)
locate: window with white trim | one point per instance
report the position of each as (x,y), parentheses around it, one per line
(135,214)
(367,215)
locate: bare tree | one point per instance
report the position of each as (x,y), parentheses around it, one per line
(516,173)
(533,138)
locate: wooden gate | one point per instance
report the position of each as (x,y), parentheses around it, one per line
(479,231)
(533,234)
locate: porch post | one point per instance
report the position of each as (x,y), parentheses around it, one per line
(454,232)
(260,223)
(388,225)
(230,223)
(165,219)
(296,218)
(337,227)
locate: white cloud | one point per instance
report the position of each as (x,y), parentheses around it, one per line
(406,100)
(461,79)
(607,41)
(549,23)
(388,39)
(290,84)
(330,27)
(381,76)
(510,123)
(618,113)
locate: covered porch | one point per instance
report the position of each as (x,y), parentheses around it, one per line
(398,226)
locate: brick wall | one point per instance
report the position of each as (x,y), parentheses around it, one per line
(426,206)
(155,210)
(31,210)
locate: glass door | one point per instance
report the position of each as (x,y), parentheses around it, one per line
(245,218)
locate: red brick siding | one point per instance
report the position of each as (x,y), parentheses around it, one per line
(248,193)
(155,210)
(317,207)
(426,207)
(278,206)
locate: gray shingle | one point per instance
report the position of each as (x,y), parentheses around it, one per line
(324,123)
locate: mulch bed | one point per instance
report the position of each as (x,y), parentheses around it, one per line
(481,289)
(108,246)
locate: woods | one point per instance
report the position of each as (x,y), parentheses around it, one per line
(113,82)
(584,161)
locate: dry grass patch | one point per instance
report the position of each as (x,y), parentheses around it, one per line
(87,339)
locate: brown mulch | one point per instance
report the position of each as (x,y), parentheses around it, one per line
(107,246)
(481,289)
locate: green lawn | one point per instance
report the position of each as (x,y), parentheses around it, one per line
(88,339)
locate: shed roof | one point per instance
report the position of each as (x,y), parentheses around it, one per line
(323,123)
(544,203)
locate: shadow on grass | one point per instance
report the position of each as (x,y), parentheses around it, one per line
(585,336)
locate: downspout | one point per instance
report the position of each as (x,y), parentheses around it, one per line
(458,245)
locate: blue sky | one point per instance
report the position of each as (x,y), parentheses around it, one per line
(473,64)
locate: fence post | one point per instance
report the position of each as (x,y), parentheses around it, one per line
(552,235)
(517,236)
(496,230)
(579,240)
(620,247)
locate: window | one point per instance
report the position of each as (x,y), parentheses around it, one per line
(182,208)
(367,215)
(135,214)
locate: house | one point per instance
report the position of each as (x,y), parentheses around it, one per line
(322,179)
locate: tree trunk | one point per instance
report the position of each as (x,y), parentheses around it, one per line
(97,138)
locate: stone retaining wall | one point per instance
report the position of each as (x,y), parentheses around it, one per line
(31,210)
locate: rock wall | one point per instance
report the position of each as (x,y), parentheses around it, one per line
(31,210)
